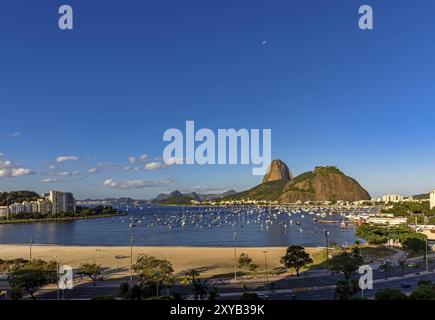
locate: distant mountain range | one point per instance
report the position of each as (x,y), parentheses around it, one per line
(176,197)
(173,198)
(423,196)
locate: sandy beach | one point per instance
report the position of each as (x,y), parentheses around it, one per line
(116,260)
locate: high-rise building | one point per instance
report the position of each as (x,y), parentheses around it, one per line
(57,199)
(44,206)
(61,202)
(34,206)
(392,198)
(27,207)
(432,199)
(4,212)
(70,202)
(16,208)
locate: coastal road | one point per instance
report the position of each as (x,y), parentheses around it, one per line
(320,286)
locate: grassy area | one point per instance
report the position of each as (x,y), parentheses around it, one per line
(376,253)
(372,253)
(415,254)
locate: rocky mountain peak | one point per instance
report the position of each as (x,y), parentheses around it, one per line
(277,170)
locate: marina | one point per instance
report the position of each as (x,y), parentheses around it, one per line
(199,226)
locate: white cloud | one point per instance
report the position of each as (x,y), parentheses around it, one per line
(66,158)
(104,166)
(134,160)
(14,134)
(129,168)
(69,173)
(206,189)
(9,169)
(49,180)
(155,165)
(135,184)
(173,160)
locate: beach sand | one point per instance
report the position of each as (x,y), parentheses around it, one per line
(116,260)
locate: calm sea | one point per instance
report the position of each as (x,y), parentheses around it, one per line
(161,226)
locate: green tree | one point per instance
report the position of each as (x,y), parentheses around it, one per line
(153,271)
(346,263)
(191,275)
(31,276)
(213,294)
(415,243)
(372,234)
(390,294)
(16,294)
(124,289)
(385,267)
(345,290)
(425,291)
(244,261)
(253,268)
(93,271)
(200,289)
(296,258)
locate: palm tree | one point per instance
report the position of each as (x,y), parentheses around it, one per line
(385,267)
(213,295)
(192,274)
(200,289)
(357,244)
(402,264)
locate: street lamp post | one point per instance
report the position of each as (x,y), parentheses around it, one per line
(427,262)
(157,282)
(265,262)
(57,278)
(235,252)
(327,247)
(132,225)
(30,249)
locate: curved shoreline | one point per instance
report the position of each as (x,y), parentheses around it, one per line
(116,259)
(51,220)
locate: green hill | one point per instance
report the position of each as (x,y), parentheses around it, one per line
(17,196)
(177,200)
(269,191)
(322,184)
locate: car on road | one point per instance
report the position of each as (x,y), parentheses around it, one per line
(405,284)
(262,296)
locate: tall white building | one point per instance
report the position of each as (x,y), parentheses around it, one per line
(392,198)
(4,212)
(44,206)
(17,208)
(432,199)
(57,200)
(34,206)
(27,207)
(61,202)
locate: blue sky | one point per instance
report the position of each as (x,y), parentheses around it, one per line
(107,90)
